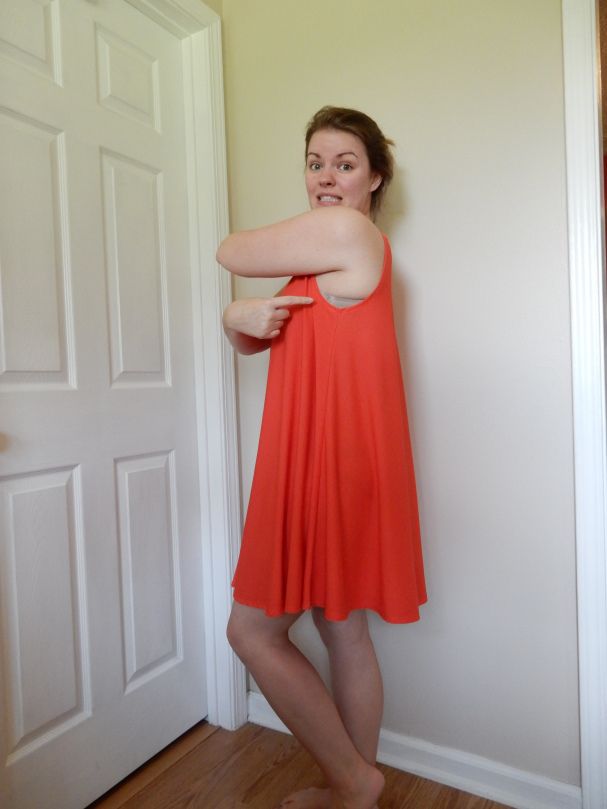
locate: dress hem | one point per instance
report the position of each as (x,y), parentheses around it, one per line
(408,618)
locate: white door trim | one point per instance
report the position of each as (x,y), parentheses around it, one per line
(584,162)
(199,29)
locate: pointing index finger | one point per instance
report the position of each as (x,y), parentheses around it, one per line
(292,300)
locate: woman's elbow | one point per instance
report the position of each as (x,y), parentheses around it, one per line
(228,257)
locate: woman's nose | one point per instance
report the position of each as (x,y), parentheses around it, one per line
(326,178)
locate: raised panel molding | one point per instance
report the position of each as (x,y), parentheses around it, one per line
(31,37)
(127,79)
(36,344)
(149,554)
(43,607)
(136,272)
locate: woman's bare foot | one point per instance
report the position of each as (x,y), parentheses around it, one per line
(312,798)
(315,798)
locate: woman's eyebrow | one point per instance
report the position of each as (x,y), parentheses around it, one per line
(341,154)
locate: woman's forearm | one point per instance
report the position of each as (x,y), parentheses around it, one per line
(240,329)
(244,343)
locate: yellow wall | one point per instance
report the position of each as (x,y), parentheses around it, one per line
(472,94)
(214,4)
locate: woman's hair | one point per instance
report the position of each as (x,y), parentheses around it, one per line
(365,128)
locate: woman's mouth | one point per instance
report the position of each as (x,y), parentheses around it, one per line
(328,199)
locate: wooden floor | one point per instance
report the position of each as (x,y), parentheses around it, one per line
(253,768)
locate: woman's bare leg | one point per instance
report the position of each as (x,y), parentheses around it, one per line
(357,691)
(356,679)
(294,689)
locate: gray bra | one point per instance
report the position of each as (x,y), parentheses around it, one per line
(339,302)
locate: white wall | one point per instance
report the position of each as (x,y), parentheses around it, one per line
(472,93)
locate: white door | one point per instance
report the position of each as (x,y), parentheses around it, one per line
(101,653)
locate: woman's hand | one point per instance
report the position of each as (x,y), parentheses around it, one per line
(262,318)
(252,323)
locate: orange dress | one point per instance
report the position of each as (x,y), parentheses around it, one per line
(332,519)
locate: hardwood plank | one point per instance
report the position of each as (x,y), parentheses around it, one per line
(404,790)
(252,765)
(153,769)
(254,768)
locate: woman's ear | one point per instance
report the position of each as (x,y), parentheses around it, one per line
(376,182)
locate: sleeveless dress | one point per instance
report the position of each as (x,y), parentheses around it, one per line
(332,519)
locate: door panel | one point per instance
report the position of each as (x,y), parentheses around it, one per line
(35,272)
(48,676)
(136,271)
(102,659)
(150,571)
(29,35)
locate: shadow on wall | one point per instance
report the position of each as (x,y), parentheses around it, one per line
(390,220)
(394,208)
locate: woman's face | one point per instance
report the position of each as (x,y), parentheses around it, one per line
(338,171)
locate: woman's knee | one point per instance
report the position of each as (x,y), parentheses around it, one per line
(250,632)
(234,634)
(242,632)
(354,629)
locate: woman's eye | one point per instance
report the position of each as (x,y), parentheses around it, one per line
(345,166)
(314,166)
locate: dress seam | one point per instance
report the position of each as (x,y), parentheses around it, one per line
(321,448)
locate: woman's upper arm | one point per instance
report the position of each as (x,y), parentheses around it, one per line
(321,240)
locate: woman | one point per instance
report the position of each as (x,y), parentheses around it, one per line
(332,522)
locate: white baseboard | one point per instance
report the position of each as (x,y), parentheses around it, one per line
(470,773)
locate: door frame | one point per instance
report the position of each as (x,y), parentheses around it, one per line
(199,29)
(587,288)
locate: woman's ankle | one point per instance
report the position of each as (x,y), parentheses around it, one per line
(362,787)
